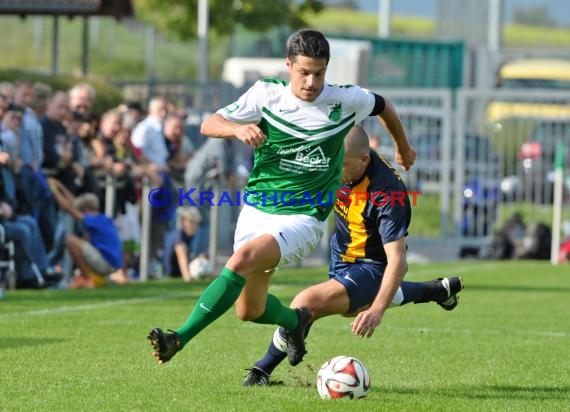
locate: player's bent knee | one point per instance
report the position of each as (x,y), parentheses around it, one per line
(248,313)
(248,261)
(242,259)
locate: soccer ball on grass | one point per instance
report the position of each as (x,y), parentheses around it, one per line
(343,377)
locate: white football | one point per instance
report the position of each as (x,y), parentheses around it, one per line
(343,377)
(200,267)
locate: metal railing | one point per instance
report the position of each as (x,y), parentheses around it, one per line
(469,143)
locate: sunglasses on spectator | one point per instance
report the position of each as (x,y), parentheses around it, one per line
(16,108)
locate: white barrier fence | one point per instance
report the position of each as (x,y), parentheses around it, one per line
(482,156)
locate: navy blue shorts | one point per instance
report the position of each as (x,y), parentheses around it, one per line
(361,280)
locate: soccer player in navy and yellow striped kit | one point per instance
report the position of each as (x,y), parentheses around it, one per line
(368,254)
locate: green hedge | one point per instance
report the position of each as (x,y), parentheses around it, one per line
(108,96)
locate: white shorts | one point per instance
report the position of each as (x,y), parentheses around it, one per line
(297,235)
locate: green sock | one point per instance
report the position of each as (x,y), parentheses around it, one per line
(213,303)
(277,314)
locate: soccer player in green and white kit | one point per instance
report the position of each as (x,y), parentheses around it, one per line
(297,129)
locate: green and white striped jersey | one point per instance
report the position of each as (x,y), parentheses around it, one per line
(297,169)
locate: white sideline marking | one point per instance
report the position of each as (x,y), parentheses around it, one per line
(111,303)
(107,304)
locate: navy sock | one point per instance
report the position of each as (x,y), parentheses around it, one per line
(274,355)
(272,358)
(412,291)
(422,292)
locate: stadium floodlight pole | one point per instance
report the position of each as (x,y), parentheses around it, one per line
(203,39)
(494,25)
(557,203)
(384,12)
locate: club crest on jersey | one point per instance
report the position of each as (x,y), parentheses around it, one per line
(334,111)
(231,107)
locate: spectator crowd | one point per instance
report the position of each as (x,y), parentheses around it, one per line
(57,161)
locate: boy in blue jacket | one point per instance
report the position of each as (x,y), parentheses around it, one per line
(99,253)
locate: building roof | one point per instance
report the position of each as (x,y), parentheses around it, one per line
(114,8)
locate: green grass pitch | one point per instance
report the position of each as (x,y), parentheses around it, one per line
(505,347)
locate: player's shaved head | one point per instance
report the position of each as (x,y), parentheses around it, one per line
(356,142)
(356,155)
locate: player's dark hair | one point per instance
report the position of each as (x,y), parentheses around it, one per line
(308,43)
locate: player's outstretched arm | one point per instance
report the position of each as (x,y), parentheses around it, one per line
(217,126)
(366,322)
(405,153)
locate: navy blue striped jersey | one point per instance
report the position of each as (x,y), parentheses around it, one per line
(370,213)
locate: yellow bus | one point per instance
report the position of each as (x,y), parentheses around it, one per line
(532,74)
(539,73)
